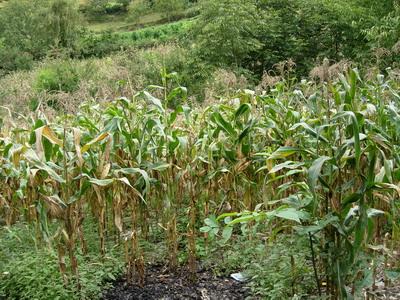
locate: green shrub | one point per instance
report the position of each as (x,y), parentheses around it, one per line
(102,7)
(31,28)
(99,45)
(276,269)
(137,9)
(59,77)
(12,58)
(170,9)
(384,39)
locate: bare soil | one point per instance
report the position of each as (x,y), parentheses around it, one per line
(161,284)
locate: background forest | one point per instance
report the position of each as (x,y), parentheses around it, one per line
(61,40)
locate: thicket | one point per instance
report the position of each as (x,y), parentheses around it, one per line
(63,84)
(169,9)
(250,37)
(30,30)
(256,35)
(102,7)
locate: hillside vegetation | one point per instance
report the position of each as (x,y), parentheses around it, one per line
(258,138)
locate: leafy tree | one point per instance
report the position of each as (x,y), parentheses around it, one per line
(170,8)
(257,34)
(137,9)
(315,29)
(226,31)
(64,20)
(378,8)
(30,28)
(386,32)
(102,7)
(384,39)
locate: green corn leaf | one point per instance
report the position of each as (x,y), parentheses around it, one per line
(356,134)
(101,182)
(372,212)
(315,171)
(31,156)
(243,108)
(154,101)
(132,171)
(286,165)
(223,124)
(310,131)
(284,152)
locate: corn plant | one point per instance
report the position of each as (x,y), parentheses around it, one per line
(320,160)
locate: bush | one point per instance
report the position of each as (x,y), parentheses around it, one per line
(114,7)
(100,45)
(30,28)
(226,31)
(170,9)
(137,9)
(102,7)
(384,39)
(59,77)
(14,59)
(258,34)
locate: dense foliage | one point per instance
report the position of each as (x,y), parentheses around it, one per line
(259,34)
(30,29)
(254,35)
(100,7)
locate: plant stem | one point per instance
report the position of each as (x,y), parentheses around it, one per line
(314,264)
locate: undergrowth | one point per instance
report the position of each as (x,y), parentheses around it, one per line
(29,271)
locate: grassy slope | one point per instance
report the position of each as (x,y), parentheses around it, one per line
(3,2)
(119,23)
(149,30)
(115,22)
(156,34)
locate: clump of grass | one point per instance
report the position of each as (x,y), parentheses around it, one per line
(58,77)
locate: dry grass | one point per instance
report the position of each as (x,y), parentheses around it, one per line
(99,80)
(327,71)
(268,80)
(223,82)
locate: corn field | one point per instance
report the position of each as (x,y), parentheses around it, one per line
(307,158)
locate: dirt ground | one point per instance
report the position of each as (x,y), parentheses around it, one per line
(161,284)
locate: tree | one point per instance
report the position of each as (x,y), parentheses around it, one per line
(258,34)
(101,7)
(386,32)
(226,31)
(64,20)
(315,29)
(378,8)
(32,27)
(384,39)
(137,9)
(170,8)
